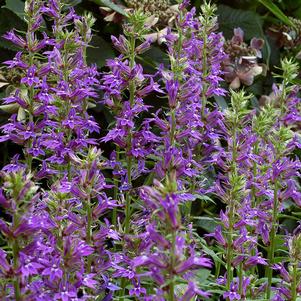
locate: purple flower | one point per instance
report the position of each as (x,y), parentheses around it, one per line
(192,291)
(137,291)
(54,271)
(16,62)
(31,77)
(255,260)
(11,36)
(218,235)
(66,293)
(232,294)
(88,281)
(29,265)
(4,265)
(193,263)
(172,88)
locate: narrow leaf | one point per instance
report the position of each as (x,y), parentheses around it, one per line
(274,9)
(111,5)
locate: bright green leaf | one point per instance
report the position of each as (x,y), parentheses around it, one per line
(274,9)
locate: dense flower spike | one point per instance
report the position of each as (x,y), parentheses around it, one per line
(190,131)
(170,259)
(125,87)
(76,225)
(20,199)
(54,128)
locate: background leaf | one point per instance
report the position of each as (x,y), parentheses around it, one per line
(274,9)
(8,21)
(99,52)
(249,21)
(111,5)
(16,6)
(73,3)
(206,223)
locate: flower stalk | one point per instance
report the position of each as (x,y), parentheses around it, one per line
(294,286)
(236,181)
(271,250)
(15,254)
(132,89)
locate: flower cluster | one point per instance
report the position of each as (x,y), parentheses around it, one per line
(128,223)
(53,126)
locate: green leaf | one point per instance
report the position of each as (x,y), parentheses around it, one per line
(249,21)
(154,57)
(10,108)
(149,179)
(202,275)
(204,198)
(207,223)
(221,101)
(274,9)
(111,5)
(16,6)
(297,12)
(72,3)
(180,289)
(264,280)
(99,51)
(211,253)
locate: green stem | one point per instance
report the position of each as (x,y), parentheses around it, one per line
(132,89)
(231,213)
(122,291)
(189,204)
(15,253)
(271,250)
(128,196)
(240,275)
(89,231)
(253,197)
(172,264)
(116,189)
(173,127)
(15,250)
(204,67)
(253,189)
(294,282)
(230,247)
(28,157)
